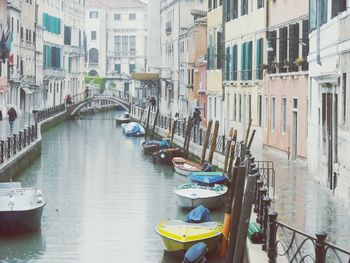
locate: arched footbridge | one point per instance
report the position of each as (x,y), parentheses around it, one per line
(120,100)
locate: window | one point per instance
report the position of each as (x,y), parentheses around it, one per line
(271,56)
(259,57)
(295,103)
(260,3)
(118,45)
(305,48)
(70,64)
(273,111)
(244,7)
(338,6)
(249,107)
(234,63)
(246,62)
(284,115)
(215,107)
(17,26)
(117,17)
(93,56)
(344,96)
(283,48)
(132,16)
(227,63)
(240,108)
(125,45)
(93,14)
(215,4)
(209,5)
(93,35)
(260,111)
(117,68)
(132,45)
(52,57)
(132,68)
(293,46)
(234,107)
(52,24)
(67,35)
(34,37)
(234,9)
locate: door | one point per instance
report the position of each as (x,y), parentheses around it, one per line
(294,135)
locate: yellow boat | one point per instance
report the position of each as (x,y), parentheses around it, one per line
(180,236)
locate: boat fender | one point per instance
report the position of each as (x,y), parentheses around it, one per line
(196,253)
(40,200)
(162,155)
(39,193)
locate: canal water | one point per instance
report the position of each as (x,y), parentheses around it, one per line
(104,198)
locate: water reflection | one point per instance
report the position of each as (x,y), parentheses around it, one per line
(22,248)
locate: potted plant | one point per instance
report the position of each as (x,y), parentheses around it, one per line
(299,62)
(286,63)
(190,86)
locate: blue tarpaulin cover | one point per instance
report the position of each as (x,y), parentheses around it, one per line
(200,214)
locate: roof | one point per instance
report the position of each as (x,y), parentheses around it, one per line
(115,3)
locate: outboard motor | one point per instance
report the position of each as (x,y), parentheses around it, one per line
(196,253)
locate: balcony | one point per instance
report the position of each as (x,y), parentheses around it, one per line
(16,4)
(54,73)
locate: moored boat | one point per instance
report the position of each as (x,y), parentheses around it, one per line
(125,118)
(180,236)
(152,146)
(193,195)
(165,156)
(133,129)
(207,178)
(184,167)
(21,209)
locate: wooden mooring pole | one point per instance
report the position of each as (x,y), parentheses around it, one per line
(206,142)
(228,150)
(147,124)
(155,123)
(213,142)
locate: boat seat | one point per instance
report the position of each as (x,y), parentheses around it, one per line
(196,253)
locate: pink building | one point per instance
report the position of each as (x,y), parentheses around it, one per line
(286,77)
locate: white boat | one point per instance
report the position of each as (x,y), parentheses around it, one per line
(193,195)
(185,167)
(21,209)
(125,118)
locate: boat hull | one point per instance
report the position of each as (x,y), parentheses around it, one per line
(210,202)
(16,222)
(171,245)
(150,148)
(120,121)
(166,156)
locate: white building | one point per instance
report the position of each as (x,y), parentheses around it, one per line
(175,18)
(3,66)
(328,120)
(116,39)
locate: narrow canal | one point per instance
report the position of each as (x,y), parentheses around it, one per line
(104,198)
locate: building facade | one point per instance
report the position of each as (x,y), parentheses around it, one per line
(286,78)
(245,39)
(214,86)
(328,115)
(175,19)
(116,40)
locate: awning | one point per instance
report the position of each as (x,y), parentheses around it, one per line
(145,76)
(27,91)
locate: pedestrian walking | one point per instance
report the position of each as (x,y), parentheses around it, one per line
(86,92)
(12,117)
(197,117)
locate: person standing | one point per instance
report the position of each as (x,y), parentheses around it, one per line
(12,117)
(197,117)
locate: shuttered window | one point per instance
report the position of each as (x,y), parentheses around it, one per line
(250,60)
(293,46)
(227,63)
(272,54)
(52,57)
(234,62)
(234,9)
(283,47)
(305,48)
(260,3)
(246,61)
(244,7)
(324,11)
(259,57)
(52,24)
(220,50)
(242,61)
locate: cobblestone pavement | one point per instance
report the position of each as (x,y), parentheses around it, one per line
(305,204)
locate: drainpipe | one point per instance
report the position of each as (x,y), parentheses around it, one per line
(318,31)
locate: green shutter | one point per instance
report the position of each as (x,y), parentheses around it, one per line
(227,64)
(249,59)
(234,62)
(242,61)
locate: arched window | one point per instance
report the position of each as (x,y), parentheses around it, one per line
(93,73)
(93,56)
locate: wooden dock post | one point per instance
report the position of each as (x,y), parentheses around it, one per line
(187,136)
(206,142)
(228,150)
(232,152)
(213,142)
(251,139)
(155,122)
(246,211)
(173,131)
(147,124)
(236,212)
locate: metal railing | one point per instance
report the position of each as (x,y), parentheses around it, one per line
(49,112)
(17,142)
